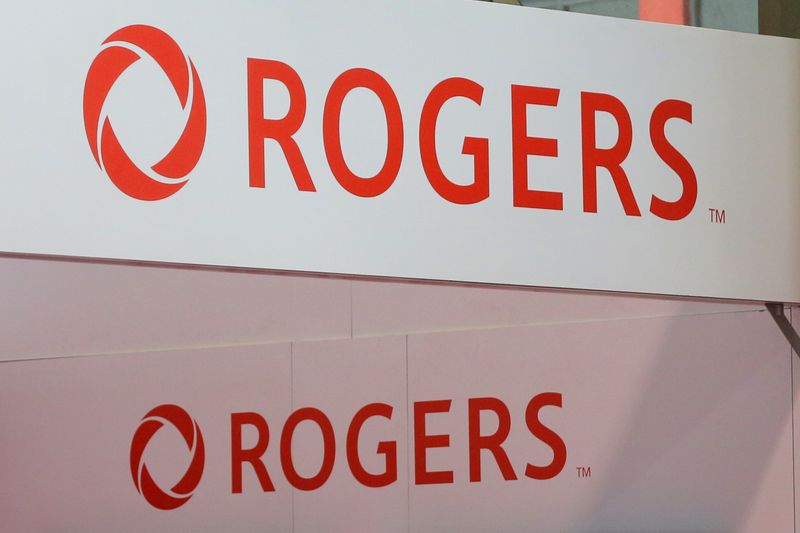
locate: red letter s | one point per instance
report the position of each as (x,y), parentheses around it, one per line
(546,435)
(682,207)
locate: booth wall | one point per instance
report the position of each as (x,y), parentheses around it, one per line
(682,409)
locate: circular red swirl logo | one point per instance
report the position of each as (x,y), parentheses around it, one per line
(122,49)
(183,489)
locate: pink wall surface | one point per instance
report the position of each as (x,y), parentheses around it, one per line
(682,409)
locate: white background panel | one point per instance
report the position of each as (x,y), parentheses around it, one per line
(57,201)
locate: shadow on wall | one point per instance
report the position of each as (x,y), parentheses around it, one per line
(720,392)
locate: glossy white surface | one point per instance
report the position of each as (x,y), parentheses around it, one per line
(742,144)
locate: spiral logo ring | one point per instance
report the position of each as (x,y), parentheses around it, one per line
(182,491)
(121,50)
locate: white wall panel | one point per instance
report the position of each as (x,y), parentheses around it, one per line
(57,201)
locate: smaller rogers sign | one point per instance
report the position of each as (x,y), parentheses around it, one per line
(183,489)
(250,460)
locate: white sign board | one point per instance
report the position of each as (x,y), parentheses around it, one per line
(437,140)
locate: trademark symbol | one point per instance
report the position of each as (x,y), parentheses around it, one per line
(584,471)
(717,215)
